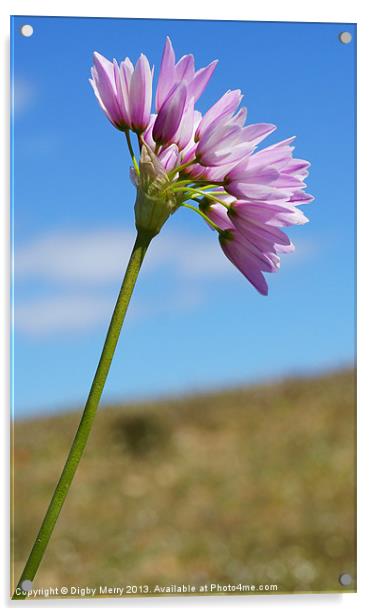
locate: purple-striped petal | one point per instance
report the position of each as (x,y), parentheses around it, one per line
(105,89)
(185,68)
(186,128)
(122,89)
(141,94)
(223,108)
(201,79)
(236,250)
(147,135)
(218,214)
(255,133)
(169,157)
(167,75)
(247,190)
(299,197)
(170,115)
(261,235)
(276,215)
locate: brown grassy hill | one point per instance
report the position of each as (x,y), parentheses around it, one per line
(251,486)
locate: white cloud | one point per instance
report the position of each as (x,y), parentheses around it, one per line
(192,256)
(99,257)
(305,249)
(24,93)
(79,266)
(62,313)
(78,312)
(72,257)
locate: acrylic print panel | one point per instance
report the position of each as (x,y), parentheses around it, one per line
(221,455)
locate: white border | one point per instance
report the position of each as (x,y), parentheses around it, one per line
(286,10)
(263,10)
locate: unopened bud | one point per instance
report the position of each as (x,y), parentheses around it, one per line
(155,201)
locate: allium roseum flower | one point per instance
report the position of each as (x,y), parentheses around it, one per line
(209,163)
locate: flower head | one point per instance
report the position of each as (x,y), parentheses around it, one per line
(173,73)
(209,163)
(155,199)
(124,92)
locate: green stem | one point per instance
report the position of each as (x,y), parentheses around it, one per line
(139,250)
(211,196)
(206,218)
(181,167)
(194,191)
(205,184)
(131,151)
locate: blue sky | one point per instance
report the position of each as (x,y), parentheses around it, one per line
(195,323)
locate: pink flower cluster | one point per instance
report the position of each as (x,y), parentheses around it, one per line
(211,160)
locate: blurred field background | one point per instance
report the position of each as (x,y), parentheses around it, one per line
(252,485)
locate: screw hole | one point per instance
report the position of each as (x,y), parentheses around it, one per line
(26,585)
(27,30)
(345,579)
(345,37)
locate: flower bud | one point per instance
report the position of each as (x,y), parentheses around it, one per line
(155,200)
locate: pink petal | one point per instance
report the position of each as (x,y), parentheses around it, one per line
(255,133)
(247,190)
(299,197)
(141,94)
(245,263)
(185,68)
(170,115)
(200,81)
(223,108)
(122,94)
(272,214)
(186,127)
(167,75)
(218,214)
(169,157)
(105,89)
